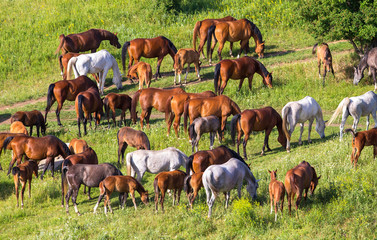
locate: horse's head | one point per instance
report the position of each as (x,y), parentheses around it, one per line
(358,75)
(314,182)
(114,41)
(282,139)
(268,80)
(320,127)
(273,174)
(145,197)
(43,128)
(252,189)
(260,50)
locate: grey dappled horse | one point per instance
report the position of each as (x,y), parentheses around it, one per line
(368,60)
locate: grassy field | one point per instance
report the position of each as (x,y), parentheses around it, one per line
(343,205)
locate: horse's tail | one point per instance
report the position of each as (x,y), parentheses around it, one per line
(216,77)
(6,143)
(171,45)
(189,164)
(71,62)
(80,99)
(128,162)
(185,115)
(314,48)
(105,102)
(125,47)
(64,182)
(61,65)
(135,99)
(50,97)
(236,118)
(155,186)
(351,131)
(192,132)
(187,184)
(293,183)
(344,103)
(211,31)
(168,108)
(196,33)
(285,113)
(62,40)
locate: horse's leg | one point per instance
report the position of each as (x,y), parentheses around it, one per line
(324,75)
(231,49)
(174,196)
(227,197)
(265,144)
(197,141)
(16,185)
(368,121)
(243,44)
(239,140)
(240,85)
(74,198)
(211,140)
(113,117)
(31,176)
(197,67)
(163,191)
(67,197)
(245,139)
(210,202)
(310,129)
(175,76)
(219,50)
(298,200)
(98,202)
(148,116)
(11,163)
(250,78)
(341,127)
(57,112)
(84,123)
(301,131)
(132,193)
(374,118)
(159,61)
(37,126)
(48,161)
(31,130)
(177,120)
(122,148)
(319,67)
(355,123)
(78,125)
(374,152)
(23,184)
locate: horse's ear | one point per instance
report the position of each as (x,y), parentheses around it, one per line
(271,72)
(257,180)
(354,68)
(116,34)
(46,124)
(269,171)
(319,177)
(326,121)
(276,170)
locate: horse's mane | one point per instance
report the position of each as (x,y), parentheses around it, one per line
(64,146)
(263,68)
(363,61)
(255,30)
(236,155)
(171,45)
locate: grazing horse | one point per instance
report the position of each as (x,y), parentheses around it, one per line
(157,47)
(36,148)
(300,112)
(141,161)
(86,41)
(233,31)
(123,185)
(368,60)
(114,101)
(182,57)
(200,125)
(324,56)
(263,119)
(357,107)
(277,193)
(88,102)
(66,90)
(173,180)
(300,179)
(30,119)
(151,98)
(201,30)
(192,185)
(87,174)
(141,71)
(175,107)
(360,140)
(241,68)
(99,62)
(225,177)
(63,63)
(78,145)
(18,127)
(24,173)
(129,136)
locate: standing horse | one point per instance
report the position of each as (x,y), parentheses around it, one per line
(128,136)
(114,101)
(30,119)
(141,161)
(233,31)
(66,90)
(360,140)
(63,63)
(182,57)
(86,41)
(24,173)
(175,104)
(263,119)
(141,71)
(324,56)
(300,112)
(210,124)
(225,177)
(78,145)
(277,193)
(192,185)
(157,47)
(368,60)
(18,127)
(300,179)
(5,135)
(357,107)
(99,62)
(242,68)
(151,98)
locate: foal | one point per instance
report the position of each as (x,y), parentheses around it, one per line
(141,71)
(114,101)
(128,136)
(360,140)
(192,184)
(182,57)
(277,193)
(324,56)
(78,145)
(24,173)
(18,127)
(210,124)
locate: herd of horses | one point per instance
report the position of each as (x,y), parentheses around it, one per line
(217,170)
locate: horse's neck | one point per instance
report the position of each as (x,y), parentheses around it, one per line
(140,189)
(363,63)
(116,71)
(106,35)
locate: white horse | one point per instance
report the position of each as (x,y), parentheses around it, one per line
(98,62)
(225,177)
(357,107)
(200,125)
(300,112)
(141,161)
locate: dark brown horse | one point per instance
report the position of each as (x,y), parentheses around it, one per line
(323,56)
(175,107)
(30,119)
(193,183)
(78,145)
(201,30)
(63,63)
(86,41)
(66,90)
(241,68)
(277,193)
(128,136)
(360,140)
(114,101)
(24,173)
(151,98)
(157,47)
(264,119)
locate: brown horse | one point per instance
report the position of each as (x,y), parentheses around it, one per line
(88,102)
(123,185)
(175,104)
(114,101)
(193,183)
(168,180)
(63,63)
(141,71)
(234,31)
(323,56)
(24,173)
(36,148)
(66,90)
(201,30)
(219,106)
(128,136)
(78,145)
(182,57)
(157,47)
(5,135)
(18,127)
(86,41)
(30,119)
(263,119)
(300,179)
(241,68)
(151,98)
(277,193)
(360,140)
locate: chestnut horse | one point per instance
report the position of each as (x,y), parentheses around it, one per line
(201,30)
(175,107)
(263,119)
(24,173)
(234,31)
(157,47)
(114,101)
(30,119)
(63,63)
(360,140)
(141,71)
(66,90)
(182,57)
(18,127)
(151,98)
(277,193)
(241,68)
(78,145)
(86,41)
(192,184)
(300,179)
(324,56)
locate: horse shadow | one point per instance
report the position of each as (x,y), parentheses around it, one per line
(4,117)
(6,189)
